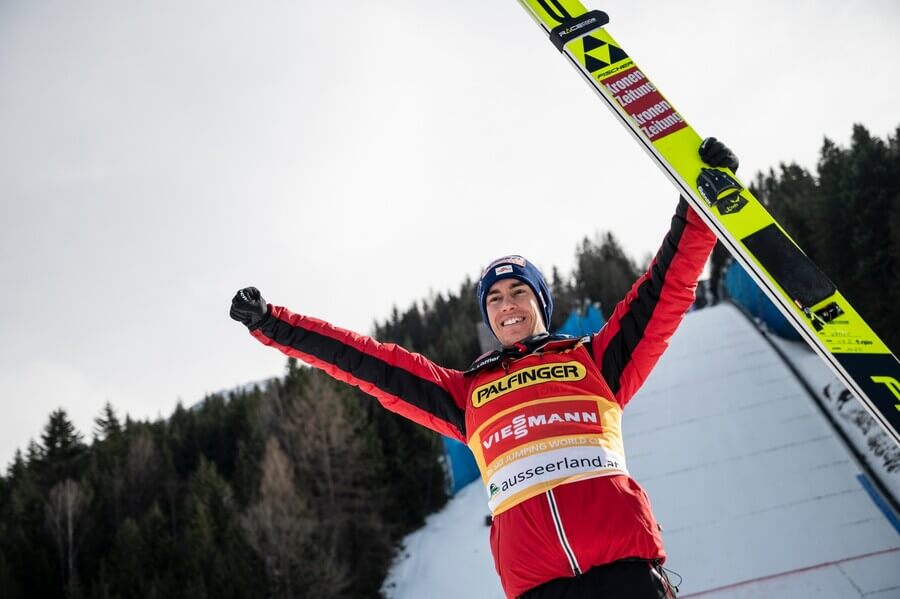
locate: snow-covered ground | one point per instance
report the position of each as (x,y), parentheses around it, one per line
(449,557)
(872,444)
(757,495)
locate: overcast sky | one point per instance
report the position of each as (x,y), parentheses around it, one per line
(346,157)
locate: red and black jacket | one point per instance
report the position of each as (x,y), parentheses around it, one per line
(566,394)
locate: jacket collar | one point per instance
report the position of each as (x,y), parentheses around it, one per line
(530,345)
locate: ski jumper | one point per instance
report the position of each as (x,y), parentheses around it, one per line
(543,418)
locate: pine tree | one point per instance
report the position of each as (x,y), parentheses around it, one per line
(60,449)
(159,554)
(126,570)
(216,554)
(107,424)
(24,540)
(604,273)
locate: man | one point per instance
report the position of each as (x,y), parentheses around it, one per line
(542,415)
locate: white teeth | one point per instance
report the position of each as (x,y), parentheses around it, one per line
(510,321)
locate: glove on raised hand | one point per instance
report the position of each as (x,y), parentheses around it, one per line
(248,307)
(714,153)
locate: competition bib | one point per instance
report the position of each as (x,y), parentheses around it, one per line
(536,446)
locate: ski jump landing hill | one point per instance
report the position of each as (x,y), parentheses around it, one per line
(757,494)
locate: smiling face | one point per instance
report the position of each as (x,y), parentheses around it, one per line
(513,311)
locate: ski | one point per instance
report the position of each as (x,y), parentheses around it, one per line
(805,295)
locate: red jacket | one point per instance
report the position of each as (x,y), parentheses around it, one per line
(542,418)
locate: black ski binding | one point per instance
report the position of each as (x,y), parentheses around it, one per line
(721,191)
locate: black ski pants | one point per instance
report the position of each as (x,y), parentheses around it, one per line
(627,579)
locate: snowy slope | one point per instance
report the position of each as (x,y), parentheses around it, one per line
(757,496)
(448,558)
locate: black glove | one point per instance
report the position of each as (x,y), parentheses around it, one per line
(249,307)
(714,153)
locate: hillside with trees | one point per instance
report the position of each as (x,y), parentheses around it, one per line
(302,487)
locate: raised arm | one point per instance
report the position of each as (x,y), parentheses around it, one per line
(403,382)
(638,332)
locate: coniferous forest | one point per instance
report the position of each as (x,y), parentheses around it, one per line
(303,487)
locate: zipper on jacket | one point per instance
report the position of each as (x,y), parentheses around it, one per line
(561,533)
